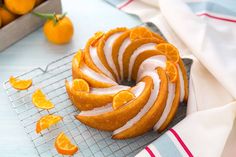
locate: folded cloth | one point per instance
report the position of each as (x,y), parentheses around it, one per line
(210,35)
(205,31)
(201,134)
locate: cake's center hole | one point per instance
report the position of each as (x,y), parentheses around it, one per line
(128,83)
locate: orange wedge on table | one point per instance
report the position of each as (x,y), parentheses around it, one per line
(169,51)
(122,98)
(47,121)
(40,100)
(20,84)
(64,146)
(171,71)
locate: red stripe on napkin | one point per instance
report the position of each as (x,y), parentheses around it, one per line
(216,17)
(150,152)
(125,4)
(181,142)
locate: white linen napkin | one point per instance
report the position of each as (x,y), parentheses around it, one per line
(204,30)
(201,134)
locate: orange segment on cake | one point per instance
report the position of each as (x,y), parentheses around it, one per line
(172,54)
(96,97)
(151,112)
(132,81)
(106,118)
(123,42)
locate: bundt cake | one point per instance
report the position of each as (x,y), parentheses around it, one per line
(127,81)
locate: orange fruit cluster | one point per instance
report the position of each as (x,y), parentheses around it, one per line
(11,9)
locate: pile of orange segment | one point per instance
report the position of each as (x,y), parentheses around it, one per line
(112,60)
(62,143)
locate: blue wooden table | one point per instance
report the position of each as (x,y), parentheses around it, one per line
(34,51)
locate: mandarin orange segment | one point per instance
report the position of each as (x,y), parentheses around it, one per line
(171,71)
(40,100)
(47,121)
(80,85)
(64,146)
(140,33)
(122,98)
(169,51)
(96,38)
(20,84)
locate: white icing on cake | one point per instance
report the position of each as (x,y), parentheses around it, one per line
(98,63)
(97,110)
(170,99)
(151,64)
(123,46)
(138,51)
(97,76)
(160,60)
(146,108)
(110,90)
(108,50)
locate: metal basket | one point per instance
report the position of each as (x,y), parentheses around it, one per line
(91,142)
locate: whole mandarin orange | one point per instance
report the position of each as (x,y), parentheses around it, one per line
(59,32)
(6,16)
(20,7)
(0,22)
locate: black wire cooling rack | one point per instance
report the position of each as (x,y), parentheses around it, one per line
(91,142)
